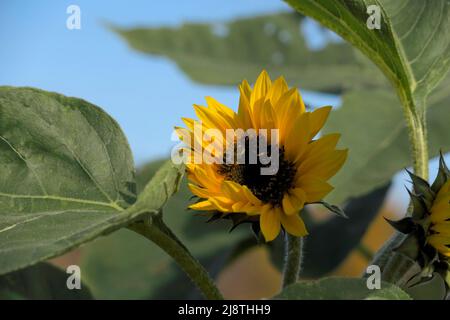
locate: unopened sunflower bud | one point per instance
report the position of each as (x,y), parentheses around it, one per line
(428,227)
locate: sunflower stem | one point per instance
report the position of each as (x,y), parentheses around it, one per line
(161,235)
(417,129)
(415,116)
(293,262)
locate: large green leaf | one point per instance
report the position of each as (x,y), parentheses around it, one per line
(41,281)
(376,135)
(431,289)
(67,176)
(412,47)
(242,48)
(340,289)
(125,265)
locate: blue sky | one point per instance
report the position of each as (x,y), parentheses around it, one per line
(146,95)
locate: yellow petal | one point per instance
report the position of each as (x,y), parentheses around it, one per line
(298,138)
(300,195)
(232,190)
(223,204)
(287,112)
(443,192)
(237,207)
(204,179)
(270,224)
(278,88)
(299,101)
(261,88)
(440,211)
(211,119)
(315,188)
(199,192)
(288,206)
(245,89)
(442,228)
(225,111)
(184,135)
(318,119)
(267,118)
(292,204)
(294,225)
(319,149)
(251,209)
(250,196)
(440,243)
(244,117)
(203,205)
(256,114)
(326,167)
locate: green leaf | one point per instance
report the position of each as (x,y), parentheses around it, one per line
(340,289)
(377,139)
(67,176)
(412,47)
(125,265)
(334,209)
(41,281)
(432,289)
(161,187)
(392,293)
(246,46)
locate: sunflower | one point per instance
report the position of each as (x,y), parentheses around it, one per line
(439,235)
(429,222)
(426,227)
(304,164)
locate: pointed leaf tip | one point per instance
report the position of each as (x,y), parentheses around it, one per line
(335,209)
(404,226)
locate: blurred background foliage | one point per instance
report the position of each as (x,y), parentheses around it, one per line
(124,265)
(224,54)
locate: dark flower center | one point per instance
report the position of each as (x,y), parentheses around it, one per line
(269,188)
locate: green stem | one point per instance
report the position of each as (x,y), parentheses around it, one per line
(294,249)
(416,122)
(415,116)
(161,235)
(365,251)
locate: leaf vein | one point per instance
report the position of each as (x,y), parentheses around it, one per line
(41,185)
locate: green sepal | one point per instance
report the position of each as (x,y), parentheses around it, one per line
(420,209)
(410,246)
(447,276)
(402,268)
(405,225)
(259,237)
(430,258)
(335,209)
(442,176)
(237,219)
(422,188)
(214,216)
